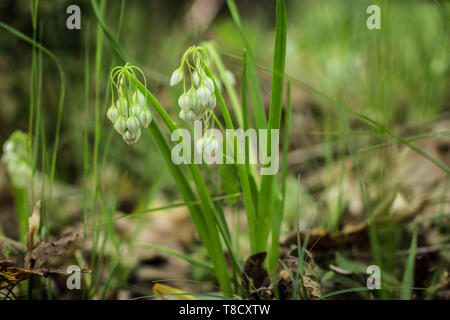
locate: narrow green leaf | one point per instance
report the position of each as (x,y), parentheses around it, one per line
(265,204)
(408,276)
(253,81)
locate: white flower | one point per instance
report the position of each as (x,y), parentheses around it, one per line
(131,137)
(203,95)
(139,98)
(195,79)
(195,102)
(176,77)
(212,102)
(187,115)
(122,105)
(185,101)
(145,117)
(132,124)
(209,84)
(120,125)
(190,115)
(112,113)
(8,147)
(230,77)
(182,115)
(136,110)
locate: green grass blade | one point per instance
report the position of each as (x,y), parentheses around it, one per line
(335,293)
(265,203)
(253,82)
(242,171)
(408,276)
(278,216)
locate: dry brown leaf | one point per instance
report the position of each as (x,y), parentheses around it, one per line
(19,262)
(288,271)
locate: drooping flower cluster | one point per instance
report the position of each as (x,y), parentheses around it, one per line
(130,112)
(15,156)
(200,99)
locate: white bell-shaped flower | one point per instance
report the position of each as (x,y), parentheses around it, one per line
(133,124)
(112,113)
(138,98)
(120,125)
(195,79)
(203,95)
(122,105)
(185,101)
(145,117)
(176,77)
(207,81)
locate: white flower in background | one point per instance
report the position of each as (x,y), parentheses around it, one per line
(130,112)
(230,77)
(15,156)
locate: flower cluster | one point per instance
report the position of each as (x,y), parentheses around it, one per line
(15,156)
(200,99)
(130,112)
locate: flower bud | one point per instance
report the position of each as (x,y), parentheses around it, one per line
(138,98)
(212,102)
(122,105)
(191,115)
(185,101)
(183,115)
(131,137)
(120,125)
(136,110)
(195,79)
(112,113)
(209,84)
(133,124)
(176,77)
(203,95)
(145,117)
